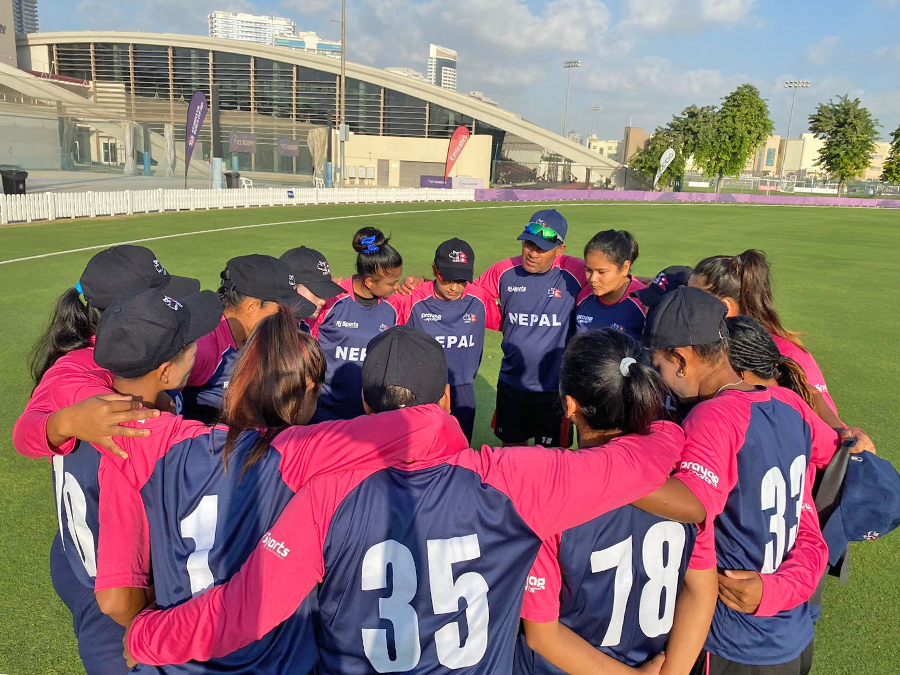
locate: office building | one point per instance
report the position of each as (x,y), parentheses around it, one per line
(575,137)
(606,148)
(310,43)
(442,67)
(25,16)
(249,27)
(635,139)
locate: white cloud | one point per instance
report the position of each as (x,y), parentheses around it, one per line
(891,53)
(313,7)
(684,16)
(650,14)
(820,52)
(726,11)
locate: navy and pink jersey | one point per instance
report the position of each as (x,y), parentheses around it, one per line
(536,311)
(746,458)
(613,581)
(206,385)
(205,518)
(422,566)
(343,329)
(810,368)
(626,315)
(458,325)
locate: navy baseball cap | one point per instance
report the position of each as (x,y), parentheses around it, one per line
(141,330)
(124,268)
(685,317)
(404,357)
(311,270)
(542,227)
(666,281)
(869,507)
(455,260)
(266,278)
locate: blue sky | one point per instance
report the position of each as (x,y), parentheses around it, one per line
(643,60)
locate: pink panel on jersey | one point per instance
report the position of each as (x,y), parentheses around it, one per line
(809,365)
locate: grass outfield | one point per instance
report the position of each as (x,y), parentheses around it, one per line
(836,274)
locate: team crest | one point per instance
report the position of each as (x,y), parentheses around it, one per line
(383,327)
(158,267)
(470,318)
(661,280)
(871,536)
(458,257)
(554,293)
(322,266)
(291,280)
(172,303)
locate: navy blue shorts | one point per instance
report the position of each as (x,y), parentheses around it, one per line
(462,407)
(99,637)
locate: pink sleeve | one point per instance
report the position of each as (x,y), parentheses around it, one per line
(704,554)
(796,579)
(586,292)
(286,565)
(30,435)
(541,603)
(314,324)
(367,442)
(123,549)
(404,303)
(492,317)
(575,267)
(714,433)
(554,489)
(489,280)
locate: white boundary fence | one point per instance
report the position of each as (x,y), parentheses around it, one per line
(65,205)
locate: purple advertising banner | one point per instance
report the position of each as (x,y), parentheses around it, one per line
(196,114)
(501,195)
(434,182)
(242,142)
(288,147)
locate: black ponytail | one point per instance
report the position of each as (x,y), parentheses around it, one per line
(592,374)
(375,255)
(754,350)
(617,245)
(71,327)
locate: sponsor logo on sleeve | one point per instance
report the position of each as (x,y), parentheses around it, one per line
(821,388)
(535,584)
(702,472)
(274,546)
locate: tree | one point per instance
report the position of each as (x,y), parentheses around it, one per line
(849,132)
(683,134)
(890,172)
(741,126)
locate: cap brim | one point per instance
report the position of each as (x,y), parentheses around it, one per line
(206,312)
(455,273)
(181,287)
(835,536)
(323,288)
(649,296)
(541,243)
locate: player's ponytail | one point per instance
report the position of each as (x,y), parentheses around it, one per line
(71,327)
(753,350)
(375,255)
(275,381)
(610,378)
(745,279)
(619,246)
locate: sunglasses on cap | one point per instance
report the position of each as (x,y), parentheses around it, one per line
(440,276)
(546,233)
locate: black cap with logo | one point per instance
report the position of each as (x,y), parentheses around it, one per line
(266,278)
(124,268)
(666,281)
(455,260)
(311,269)
(685,317)
(141,330)
(405,357)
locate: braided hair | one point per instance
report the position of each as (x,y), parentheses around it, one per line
(754,350)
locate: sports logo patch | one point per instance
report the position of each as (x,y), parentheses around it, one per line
(872,536)
(158,267)
(554,293)
(323,267)
(172,303)
(470,318)
(458,257)
(661,280)
(383,327)
(291,280)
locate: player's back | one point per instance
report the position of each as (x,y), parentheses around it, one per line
(618,577)
(759,525)
(205,520)
(424,573)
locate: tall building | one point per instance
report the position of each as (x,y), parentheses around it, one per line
(575,137)
(310,43)
(25,16)
(248,27)
(442,67)
(635,139)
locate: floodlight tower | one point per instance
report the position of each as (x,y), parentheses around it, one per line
(795,85)
(568,66)
(594,110)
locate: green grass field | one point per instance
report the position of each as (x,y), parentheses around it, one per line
(836,274)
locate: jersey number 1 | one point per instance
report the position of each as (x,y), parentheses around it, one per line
(200,526)
(70,498)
